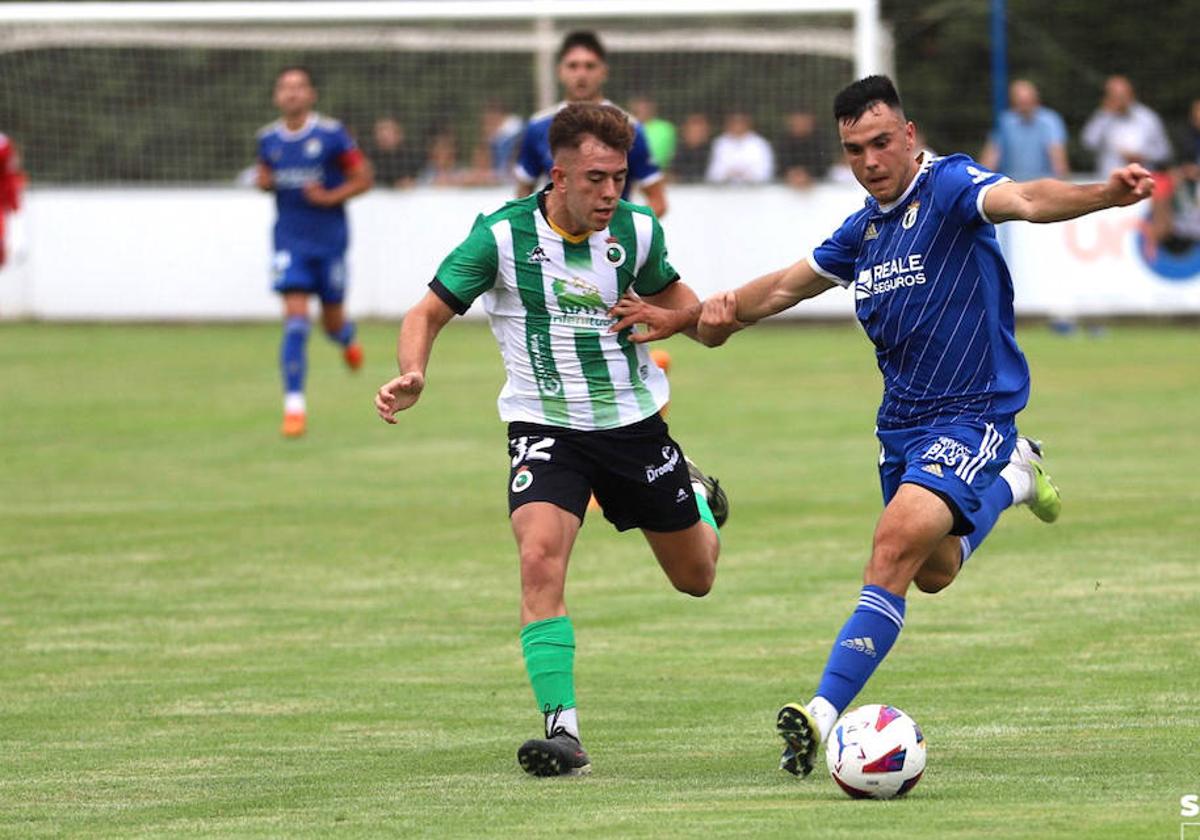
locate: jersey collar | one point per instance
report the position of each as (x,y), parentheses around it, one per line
(288,134)
(573,239)
(926,161)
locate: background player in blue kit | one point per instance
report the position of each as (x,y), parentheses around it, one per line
(313,166)
(934,295)
(582,70)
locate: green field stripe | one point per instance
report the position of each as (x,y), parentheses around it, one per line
(531,287)
(599,383)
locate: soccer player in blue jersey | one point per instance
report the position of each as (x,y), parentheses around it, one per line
(582,70)
(314,167)
(934,295)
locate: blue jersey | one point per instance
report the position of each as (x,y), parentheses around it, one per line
(934,294)
(534,159)
(321,151)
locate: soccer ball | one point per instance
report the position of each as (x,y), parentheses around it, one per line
(876,752)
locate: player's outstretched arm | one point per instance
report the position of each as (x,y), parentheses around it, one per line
(421,326)
(727,312)
(724,313)
(1048,200)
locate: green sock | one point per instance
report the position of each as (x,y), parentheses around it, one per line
(706,515)
(549,648)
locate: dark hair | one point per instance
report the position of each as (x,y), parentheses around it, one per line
(855,99)
(582,38)
(607,123)
(298,68)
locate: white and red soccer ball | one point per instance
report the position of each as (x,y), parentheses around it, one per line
(876,752)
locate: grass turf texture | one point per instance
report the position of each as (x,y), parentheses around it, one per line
(208,630)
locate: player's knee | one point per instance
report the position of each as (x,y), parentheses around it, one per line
(890,565)
(697,586)
(698,578)
(296,326)
(542,569)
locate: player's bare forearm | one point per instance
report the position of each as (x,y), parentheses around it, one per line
(673,310)
(264,178)
(773,293)
(421,326)
(725,313)
(524,188)
(1049,200)
(358,180)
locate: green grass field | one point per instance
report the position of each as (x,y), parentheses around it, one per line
(209,631)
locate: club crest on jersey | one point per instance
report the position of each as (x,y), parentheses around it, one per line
(614,252)
(312,147)
(537,254)
(910,215)
(872,232)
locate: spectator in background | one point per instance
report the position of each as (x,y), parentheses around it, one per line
(1175,209)
(739,154)
(396,163)
(801,154)
(660,133)
(1124,131)
(441,167)
(1194,131)
(691,155)
(11,182)
(501,135)
(1029,141)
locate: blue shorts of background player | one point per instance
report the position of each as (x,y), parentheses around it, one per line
(956,461)
(320,275)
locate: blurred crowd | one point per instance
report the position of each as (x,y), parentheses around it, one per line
(694,152)
(1029,141)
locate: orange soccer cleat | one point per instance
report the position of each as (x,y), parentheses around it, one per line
(353,354)
(294,424)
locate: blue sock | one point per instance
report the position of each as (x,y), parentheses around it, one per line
(344,336)
(865,640)
(293,360)
(995,500)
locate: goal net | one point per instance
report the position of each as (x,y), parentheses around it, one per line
(158,93)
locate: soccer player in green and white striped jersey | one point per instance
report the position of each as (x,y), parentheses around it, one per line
(581,398)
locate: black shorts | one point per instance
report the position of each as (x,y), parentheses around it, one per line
(637,472)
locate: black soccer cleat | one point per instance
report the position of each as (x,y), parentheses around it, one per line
(558,754)
(801,738)
(718,502)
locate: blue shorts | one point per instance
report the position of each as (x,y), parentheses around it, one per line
(957,461)
(323,276)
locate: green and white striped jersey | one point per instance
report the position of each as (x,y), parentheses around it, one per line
(547,299)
